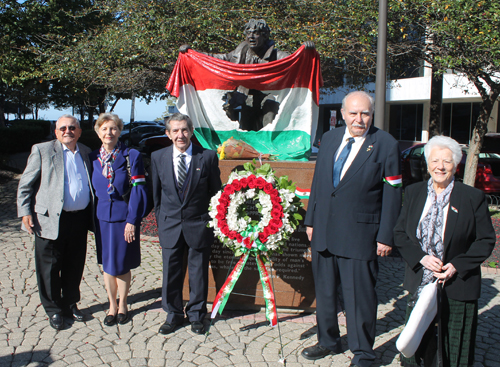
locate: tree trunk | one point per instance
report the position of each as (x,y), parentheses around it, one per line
(476,141)
(436,102)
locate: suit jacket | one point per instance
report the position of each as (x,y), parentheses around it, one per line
(362,210)
(189,216)
(469,238)
(41,188)
(116,209)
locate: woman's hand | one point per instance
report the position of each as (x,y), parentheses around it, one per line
(448,271)
(129,232)
(432,263)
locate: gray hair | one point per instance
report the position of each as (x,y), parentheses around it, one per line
(363,93)
(68,116)
(444,142)
(103,117)
(178,117)
(259,25)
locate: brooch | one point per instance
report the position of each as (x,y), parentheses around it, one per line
(370,147)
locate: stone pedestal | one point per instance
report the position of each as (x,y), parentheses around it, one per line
(291,272)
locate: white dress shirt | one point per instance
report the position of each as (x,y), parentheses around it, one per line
(188,155)
(76,183)
(358,142)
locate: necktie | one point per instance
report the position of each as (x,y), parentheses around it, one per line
(339,163)
(181,170)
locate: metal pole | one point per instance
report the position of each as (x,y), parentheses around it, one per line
(380,81)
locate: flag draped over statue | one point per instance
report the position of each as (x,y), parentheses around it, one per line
(288,87)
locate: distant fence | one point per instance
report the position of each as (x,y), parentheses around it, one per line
(493,201)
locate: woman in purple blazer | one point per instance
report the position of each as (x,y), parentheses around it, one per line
(120,189)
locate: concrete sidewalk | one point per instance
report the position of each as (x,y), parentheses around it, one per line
(236,339)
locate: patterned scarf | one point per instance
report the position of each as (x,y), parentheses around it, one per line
(107,160)
(431,227)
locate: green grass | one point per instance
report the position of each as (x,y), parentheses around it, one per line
(495,213)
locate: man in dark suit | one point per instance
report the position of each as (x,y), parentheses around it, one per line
(185,177)
(354,204)
(54,200)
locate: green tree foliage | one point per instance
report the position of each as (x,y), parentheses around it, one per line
(462,36)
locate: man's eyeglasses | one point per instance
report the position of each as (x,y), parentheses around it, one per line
(70,128)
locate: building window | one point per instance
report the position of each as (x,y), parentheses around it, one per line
(405,121)
(459,120)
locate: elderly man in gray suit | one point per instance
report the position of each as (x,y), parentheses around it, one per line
(54,200)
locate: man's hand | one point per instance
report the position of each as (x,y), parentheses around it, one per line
(184,48)
(28,223)
(383,250)
(309,231)
(129,232)
(432,263)
(448,271)
(309,45)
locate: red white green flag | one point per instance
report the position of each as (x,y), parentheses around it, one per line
(202,83)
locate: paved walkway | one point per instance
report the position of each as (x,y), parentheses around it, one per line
(236,339)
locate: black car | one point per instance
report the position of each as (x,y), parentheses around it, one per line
(134,136)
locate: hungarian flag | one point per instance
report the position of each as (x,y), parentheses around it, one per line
(273,107)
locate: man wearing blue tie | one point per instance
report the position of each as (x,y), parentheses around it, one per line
(354,204)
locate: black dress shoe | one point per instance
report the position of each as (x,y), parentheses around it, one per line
(316,352)
(123,318)
(197,327)
(110,320)
(169,327)
(76,314)
(56,321)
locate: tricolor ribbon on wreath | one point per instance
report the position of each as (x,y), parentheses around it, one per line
(275,199)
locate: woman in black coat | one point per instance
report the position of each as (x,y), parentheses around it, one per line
(444,232)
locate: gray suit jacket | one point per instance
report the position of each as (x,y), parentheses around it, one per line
(41,188)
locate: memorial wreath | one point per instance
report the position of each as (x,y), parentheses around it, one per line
(277,205)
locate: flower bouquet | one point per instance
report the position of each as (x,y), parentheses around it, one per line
(277,204)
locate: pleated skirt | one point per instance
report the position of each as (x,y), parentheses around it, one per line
(458,325)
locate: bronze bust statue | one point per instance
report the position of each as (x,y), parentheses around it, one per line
(252,108)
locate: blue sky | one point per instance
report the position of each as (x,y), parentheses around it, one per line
(143,111)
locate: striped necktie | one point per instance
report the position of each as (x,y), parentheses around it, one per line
(181,170)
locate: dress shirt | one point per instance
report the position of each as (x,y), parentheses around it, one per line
(76,183)
(358,142)
(188,154)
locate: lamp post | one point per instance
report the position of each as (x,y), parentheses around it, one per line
(380,79)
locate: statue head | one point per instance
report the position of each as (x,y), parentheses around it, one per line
(257,33)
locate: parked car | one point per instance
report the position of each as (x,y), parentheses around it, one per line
(134,136)
(414,167)
(150,144)
(130,125)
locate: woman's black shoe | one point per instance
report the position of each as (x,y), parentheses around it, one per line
(110,320)
(123,318)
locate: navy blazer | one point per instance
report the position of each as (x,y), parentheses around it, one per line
(189,216)
(469,238)
(362,210)
(112,208)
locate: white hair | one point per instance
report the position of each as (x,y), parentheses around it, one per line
(441,141)
(363,93)
(68,116)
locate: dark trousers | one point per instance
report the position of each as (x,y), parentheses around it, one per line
(60,262)
(173,280)
(358,279)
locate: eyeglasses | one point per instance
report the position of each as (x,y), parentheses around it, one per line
(70,128)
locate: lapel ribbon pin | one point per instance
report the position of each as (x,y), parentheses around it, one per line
(370,147)
(454,209)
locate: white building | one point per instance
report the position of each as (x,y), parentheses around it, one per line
(408,108)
